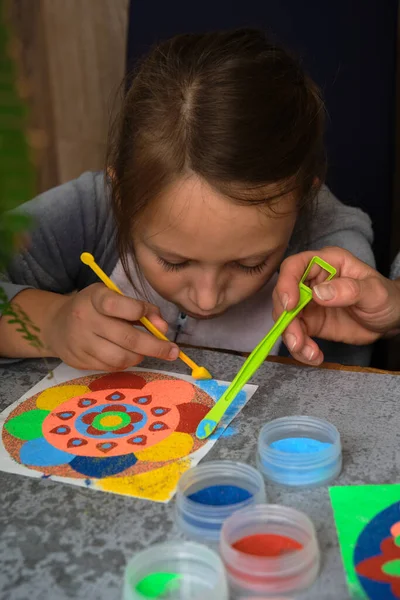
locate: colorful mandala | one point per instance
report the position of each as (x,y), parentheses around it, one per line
(102,426)
(377,555)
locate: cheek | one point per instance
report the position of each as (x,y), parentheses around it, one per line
(242,286)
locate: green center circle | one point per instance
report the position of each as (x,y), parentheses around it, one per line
(97,421)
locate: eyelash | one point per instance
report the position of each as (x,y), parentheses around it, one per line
(171,266)
(174,267)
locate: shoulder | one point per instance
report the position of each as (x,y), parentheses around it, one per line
(79,210)
(88,190)
(395,270)
(330,214)
(67,220)
(331,223)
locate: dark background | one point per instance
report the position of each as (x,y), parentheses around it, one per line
(349,48)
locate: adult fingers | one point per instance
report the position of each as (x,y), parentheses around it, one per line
(300,345)
(290,274)
(293,336)
(367,294)
(312,355)
(293,268)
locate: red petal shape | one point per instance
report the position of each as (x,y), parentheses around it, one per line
(191,414)
(89,418)
(115,393)
(84,402)
(114,407)
(161,414)
(93,431)
(127,429)
(135,417)
(66,432)
(72,445)
(395,587)
(70,414)
(142,443)
(114,381)
(136,400)
(372,569)
(158,426)
(110,446)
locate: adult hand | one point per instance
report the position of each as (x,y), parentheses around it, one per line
(356,307)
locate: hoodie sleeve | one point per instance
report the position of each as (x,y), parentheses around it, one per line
(66,221)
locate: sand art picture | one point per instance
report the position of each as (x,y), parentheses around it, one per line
(130,433)
(367,519)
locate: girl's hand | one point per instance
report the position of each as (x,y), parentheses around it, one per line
(93,329)
(357,307)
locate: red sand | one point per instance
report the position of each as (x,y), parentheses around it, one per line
(267,545)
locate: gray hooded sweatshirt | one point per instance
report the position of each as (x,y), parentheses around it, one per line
(77,217)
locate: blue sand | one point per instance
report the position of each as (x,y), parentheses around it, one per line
(299,445)
(215,390)
(39,453)
(230,431)
(102,467)
(220,495)
(205,427)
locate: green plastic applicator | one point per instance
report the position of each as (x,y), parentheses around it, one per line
(260,353)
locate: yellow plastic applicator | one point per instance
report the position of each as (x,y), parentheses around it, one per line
(197,371)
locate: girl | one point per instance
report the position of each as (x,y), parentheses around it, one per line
(214,175)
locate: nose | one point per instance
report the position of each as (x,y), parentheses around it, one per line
(207,291)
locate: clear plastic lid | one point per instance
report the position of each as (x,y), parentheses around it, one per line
(290,564)
(177,571)
(299,451)
(209,493)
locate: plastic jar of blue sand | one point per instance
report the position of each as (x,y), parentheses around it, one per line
(299,451)
(177,571)
(269,551)
(209,493)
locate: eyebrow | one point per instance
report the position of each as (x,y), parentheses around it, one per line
(174,255)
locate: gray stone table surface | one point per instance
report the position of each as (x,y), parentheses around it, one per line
(60,542)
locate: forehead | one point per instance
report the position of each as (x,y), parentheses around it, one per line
(192,219)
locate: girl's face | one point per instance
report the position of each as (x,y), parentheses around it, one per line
(201,251)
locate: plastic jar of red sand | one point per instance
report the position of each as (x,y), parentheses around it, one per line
(269,550)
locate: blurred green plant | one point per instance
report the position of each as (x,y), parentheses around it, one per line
(17,176)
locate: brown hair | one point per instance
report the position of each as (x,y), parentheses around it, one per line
(232,108)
